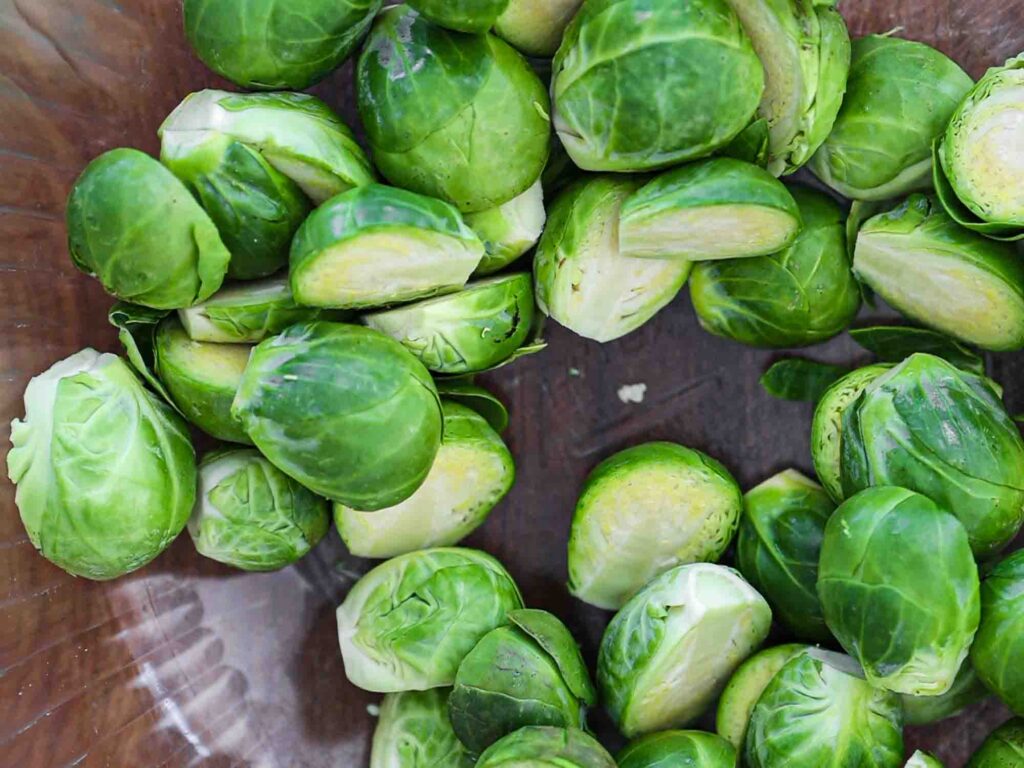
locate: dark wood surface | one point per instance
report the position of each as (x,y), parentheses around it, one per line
(189,663)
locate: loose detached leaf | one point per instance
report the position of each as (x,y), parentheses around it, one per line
(800,380)
(894,343)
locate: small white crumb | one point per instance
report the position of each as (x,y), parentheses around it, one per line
(574,372)
(632,393)
(373,710)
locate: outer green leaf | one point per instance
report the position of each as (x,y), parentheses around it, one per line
(136,330)
(464,392)
(795,378)
(998,652)
(893,343)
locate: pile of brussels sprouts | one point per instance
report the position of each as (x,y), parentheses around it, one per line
(321,311)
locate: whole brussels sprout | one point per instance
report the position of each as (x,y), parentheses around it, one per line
(251,515)
(408,624)
(923,760)
(644,510)
(818,712)
(685,77)
(105,471)
(583,281)
(667,654)
(275,44)
(719,208)
(136,228)
(425,94)
(778,546)
(998,650)
(546,747)
(919,425)
(908,618)
(413,730)
(528,672)
(377,245)
(967,688)
(689,749)
(1002,748)
(943,276)
(804,294)
(899,98)
(345,410)
(536,27)
(509,230)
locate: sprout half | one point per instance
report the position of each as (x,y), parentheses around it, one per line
(1002,748)
(998,651)
(413,730)
(678,748)
(546,747)
(509,230)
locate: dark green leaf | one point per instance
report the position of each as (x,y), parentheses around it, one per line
(800,380)
(894,343)
(465,392)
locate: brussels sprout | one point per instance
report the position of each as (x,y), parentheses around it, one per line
(931,428)
(251,515)
(461,15)
(778,547)
(800,380)
(801,295)
(427,94)
(685,749)
(720,208)
(105,471)
(827,426)
(899,99)
(256,208)
(899,589)
(465,332)
(893,343)
(745,688)
(583,281)
(998,651)
(408,624)
(943,276)
(923,760)
(536,27)
(670,650)
(345,410)
(413,730)
(819,712)
(644,510)
(135,227)
(1003,747)
(275,44)
(528,672)
(298,134)
(246,313)
(685,79)
(378,245)
(509,230)
(546,747)
(967,688)
(202,379)
(978,173)
(472,472)
(805,50)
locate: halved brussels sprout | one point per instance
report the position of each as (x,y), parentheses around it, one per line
(685,77)
(929,427)
(801,295)
(979,173)
(827,426)
(458,117)
(345,410)
(134,226)
(546,747)
(693,749)
(408,624)
(251,515)
(967,688)
(998,650)
(104,469)
(378,245)
(899,589)
(472,472)
(667,654)
(509,230)
(246,313)
(202,379)
(274,44)
(805,50)
(899,98)
(582,280)
(745,688)
(465,332)
(1003,747)
(644,510)
(720,208)
(528,672)
(819,712)
(923,760)
(298,134)
(413,730)
(943,276)
(778,546)
(535,27)
(474,16)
